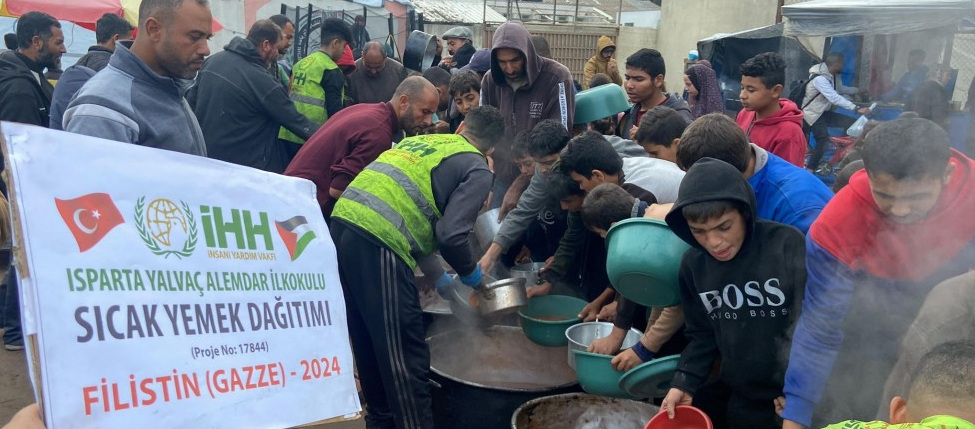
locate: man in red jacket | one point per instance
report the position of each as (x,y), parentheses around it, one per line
(355,137)
(771,123)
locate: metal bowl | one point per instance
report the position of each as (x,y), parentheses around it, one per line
(582,335)
(529,272)
(502,297)
(460,304)
(486,227)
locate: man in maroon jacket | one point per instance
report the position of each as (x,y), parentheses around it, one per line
(355,137)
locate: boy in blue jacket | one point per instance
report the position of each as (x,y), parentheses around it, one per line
(741,285)
(785,193)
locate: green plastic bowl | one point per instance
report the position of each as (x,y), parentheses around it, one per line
(600,102)
(550,333)
(643,257)
(650,379)
(597,376)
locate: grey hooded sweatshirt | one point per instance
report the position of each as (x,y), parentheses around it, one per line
(547,93)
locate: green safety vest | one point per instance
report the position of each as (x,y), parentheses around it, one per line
(307,92)
(393,197)
(933,422)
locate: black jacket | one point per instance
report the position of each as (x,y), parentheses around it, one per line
(24,97)
(463,55)
(743,309)
(241,108)
(96,58)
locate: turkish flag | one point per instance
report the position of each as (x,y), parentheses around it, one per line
(89,218)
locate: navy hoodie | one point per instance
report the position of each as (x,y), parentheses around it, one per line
(742,310)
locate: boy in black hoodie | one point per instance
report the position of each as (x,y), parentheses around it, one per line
(741,285)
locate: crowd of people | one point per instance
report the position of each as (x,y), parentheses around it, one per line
(798,304)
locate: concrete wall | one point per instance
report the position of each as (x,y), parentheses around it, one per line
(643,19)
(684,22)
(632,39)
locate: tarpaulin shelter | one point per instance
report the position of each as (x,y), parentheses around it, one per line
(878,35)
(865,17)
(726,52)
(931,24)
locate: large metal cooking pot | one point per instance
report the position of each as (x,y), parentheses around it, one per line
(481,377)
(582,411)
(421,48)
(582,335)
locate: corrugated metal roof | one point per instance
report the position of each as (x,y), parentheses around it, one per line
(456,11)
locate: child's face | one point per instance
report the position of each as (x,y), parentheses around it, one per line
(640,86)
(526,165)
(661,152)
(546,163)
(572,203)
(755,95)
(602,232)
(467,101)
(587,184)
(722,237)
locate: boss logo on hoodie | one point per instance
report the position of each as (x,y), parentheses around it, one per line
(753,300)
(535,109)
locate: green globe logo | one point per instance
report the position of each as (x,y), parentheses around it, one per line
(166,228)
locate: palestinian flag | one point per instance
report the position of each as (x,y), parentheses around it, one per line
(296,235)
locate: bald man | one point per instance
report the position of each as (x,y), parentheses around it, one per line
(376,77)
(338,151)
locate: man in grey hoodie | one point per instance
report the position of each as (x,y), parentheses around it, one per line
(138,98)
(528,89)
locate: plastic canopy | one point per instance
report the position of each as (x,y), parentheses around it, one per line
(862,17)
(727,52)
(81,12)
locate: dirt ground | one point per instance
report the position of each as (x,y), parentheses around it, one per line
(16,392)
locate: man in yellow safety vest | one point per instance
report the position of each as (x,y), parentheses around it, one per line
(421,196)
(317,83)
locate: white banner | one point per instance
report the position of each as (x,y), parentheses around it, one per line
(173,291)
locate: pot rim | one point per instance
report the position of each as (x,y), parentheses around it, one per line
(496,388)
(572,395)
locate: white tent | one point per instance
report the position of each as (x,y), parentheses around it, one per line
(865,17)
